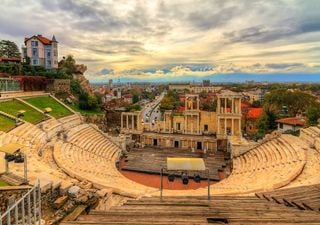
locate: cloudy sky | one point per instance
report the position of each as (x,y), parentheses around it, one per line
(164,39)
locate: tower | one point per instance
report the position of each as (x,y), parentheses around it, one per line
(54,51)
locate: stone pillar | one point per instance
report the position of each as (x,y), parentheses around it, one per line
(219,105)
(239,127)
(225,126)
(198,103)
(218,130)
(185,123)
(225,105)
(232,126)
(127,121)
(191,130)
(121,121)
(232,106)
(198,124)
(132,121)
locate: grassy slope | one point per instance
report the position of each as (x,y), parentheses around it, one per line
(12,107)
(43,102)
(6,123)
(2,183)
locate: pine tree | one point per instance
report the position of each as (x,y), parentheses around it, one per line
(9,49)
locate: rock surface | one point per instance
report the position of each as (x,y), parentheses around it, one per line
(79,75)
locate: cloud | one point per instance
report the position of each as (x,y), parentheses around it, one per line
(173,39)
(284,65)
(184,72)
(105,71)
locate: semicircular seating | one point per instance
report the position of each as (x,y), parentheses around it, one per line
(89,155)
(268,166)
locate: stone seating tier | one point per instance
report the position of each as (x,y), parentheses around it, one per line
(198,210)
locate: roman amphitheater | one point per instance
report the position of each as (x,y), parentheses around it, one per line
(274,182)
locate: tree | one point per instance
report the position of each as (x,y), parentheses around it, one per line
(92,102)
(166,104)
(256,104)
(68,66)
(293,101)
(9,49)
(313,114)
(75,87)
(135,98)
(267,122)
(133,108)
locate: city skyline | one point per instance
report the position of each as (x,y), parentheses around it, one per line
(180,40)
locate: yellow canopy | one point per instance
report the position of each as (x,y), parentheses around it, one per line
(10,148)
(192,164)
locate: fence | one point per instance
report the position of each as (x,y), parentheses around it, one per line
(25,211)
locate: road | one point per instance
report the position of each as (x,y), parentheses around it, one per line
(151,112)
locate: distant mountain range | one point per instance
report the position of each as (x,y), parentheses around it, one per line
(232,78)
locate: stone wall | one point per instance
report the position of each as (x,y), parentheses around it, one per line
(59,86)
(8,197)
(98,120)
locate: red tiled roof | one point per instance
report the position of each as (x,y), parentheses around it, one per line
(244,105)
(254,113)
(292,121)
(127,96)
(42,39)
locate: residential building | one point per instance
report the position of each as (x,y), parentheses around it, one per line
(207,89)
(250,119)
(254,95)
(127,98)
(179,86)
(42,51)
(291,123)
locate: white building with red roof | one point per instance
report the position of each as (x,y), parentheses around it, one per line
(42,51)
(291,123)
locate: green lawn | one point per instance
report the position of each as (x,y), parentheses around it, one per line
(13,106)
(75,107)
(6,123)
(43,102)
(2,183)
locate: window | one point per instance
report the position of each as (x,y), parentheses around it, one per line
(34,62)
(48,54)
(206,127)
(34,52)
(55,53)
(49,62)
(281,125)
(178,126)
(34,43)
